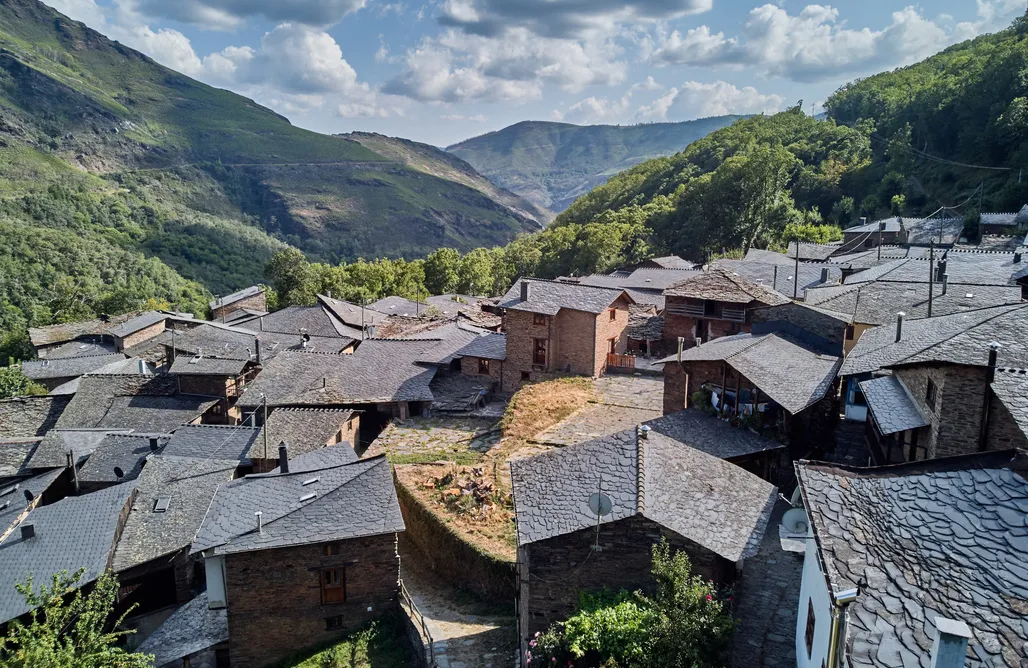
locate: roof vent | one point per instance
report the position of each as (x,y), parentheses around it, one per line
(161,505)
(308,497)
(644,431)
(154,444)
(260,524)
(9,490)
(899,326)
(28,530)
(283,457)
(311,481)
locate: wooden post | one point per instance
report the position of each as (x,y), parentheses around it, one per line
(738,389)
(724,382)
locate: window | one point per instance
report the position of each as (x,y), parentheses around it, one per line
(538,319)
(808,635)
(930,395)
(483,366)
(525,375)
(334,623)
(331,549)
(710,307)
(850,331)
(539,351)
(333,585)
(613,314)
(612,346)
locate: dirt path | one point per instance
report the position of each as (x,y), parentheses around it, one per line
(467,632)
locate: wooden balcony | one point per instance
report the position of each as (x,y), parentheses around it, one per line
(620,361)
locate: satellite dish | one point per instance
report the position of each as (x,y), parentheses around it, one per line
(28,495)
(795,521)
(118,473)
(600,504)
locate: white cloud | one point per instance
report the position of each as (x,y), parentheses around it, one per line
(992,16)
(606,109)
(477,118)
(229,14)
(699,100)
(86,11)
(810,46)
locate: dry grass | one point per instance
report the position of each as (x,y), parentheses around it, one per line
(538,407)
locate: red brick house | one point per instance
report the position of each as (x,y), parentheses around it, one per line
(712,304)
(301,556)
(556,327)
(651,487)
(251,299)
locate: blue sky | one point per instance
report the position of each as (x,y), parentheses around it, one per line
(440,71)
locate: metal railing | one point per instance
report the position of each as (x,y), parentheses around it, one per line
(420,626)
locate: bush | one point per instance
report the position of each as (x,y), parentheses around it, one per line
(685,625)
(13,383)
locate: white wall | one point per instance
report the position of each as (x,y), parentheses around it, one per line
(813,588)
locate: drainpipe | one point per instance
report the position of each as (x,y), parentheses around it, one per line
(899,326)
(990,375)
(837,637)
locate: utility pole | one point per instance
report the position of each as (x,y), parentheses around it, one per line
(881,226)
(796,276)
(264,427)
(931,275)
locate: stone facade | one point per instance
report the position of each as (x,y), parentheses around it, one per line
(832,330)
(552,572)
(575,342)
(686,326)
(257,302)
(469,366)
(682,380)
(142,335)
(275,596)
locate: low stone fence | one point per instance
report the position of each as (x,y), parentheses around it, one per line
(454,559)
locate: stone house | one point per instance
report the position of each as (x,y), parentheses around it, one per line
(52,372)
(104,335)
(147,326)
(917,564)
(251,299)
(940,396)
(304,430)
(484,357)
(194,636)
(301,556)
(785,381)
(645,486)
(902,231)
(712,304)
(555,327)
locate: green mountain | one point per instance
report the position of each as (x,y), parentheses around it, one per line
(121,157)
(551,164)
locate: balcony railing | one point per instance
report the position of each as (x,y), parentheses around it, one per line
(737,314)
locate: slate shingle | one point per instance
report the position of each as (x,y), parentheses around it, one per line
(129,452)
(192,628)
(711,435)
(30,416)
(549,297)
(209,441)
(725,285)
(302,429)
(891,405)
(67,367)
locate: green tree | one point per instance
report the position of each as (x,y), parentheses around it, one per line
(442,271)
(13,383)
(294,278)
(475,272)
(68,628)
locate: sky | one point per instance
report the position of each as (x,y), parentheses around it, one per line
(440,71)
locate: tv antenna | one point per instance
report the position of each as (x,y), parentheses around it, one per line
(601,506)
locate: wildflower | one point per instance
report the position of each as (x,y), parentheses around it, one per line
(538,633)
(531,643)
(709,597)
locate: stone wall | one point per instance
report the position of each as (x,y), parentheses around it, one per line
(257,302)
(828,328)
(455,560)
(274,596)
(1004,432)
(607,329)
(915,378)
(575,351)
(469,367)
(211,386)
(521,330)
(559,568)
(682,380)
(144,334)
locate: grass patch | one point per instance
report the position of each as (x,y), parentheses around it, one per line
(538,407)
(467,458)
(382,644)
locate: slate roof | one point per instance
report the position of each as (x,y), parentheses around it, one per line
(222,341)
(67,367)
(15,454)
(700,497)
(351,314)
(1011,389)
(315,320)
(644,324)
(960,338)
(920,230)
(188,485)
(193,365)
(53,450)
(708,434)
(641,279)
(133,366)
(76,532)
(69,331)
(302,429)
(12,495)
(944,538)
(30,416)
(138,323)
(782,277)
(210,441)
(877,303)
(963,268)
(893,408)
(398,306)
(670,262)
(233,298)
(725,286)
(381,370)
(451,338)
(789,374)
(148,403)
(338,503)
(192,628)
(128,452)
(1006,219)
(449,305)
(810,251)
(490,346)
(242,316)
(549,297)
(323,458)
(82,349)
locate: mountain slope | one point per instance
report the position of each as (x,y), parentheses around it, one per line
(551,164)
(437,162)
(71,93)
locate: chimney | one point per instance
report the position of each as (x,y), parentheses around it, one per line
(154,444)
(863,220)
(283,457)
(257,348)
(899,326)
(28,530)
(990,375)
(1017,258)
(945,283)
(949,650)
(260,520)
(824,274)
(526,291)
(644,431)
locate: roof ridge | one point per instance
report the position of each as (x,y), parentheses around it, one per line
(74,357)
(565,283)
(957,333)
(640,472)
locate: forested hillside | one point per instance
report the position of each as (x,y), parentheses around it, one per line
(552,164)
(119,177)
